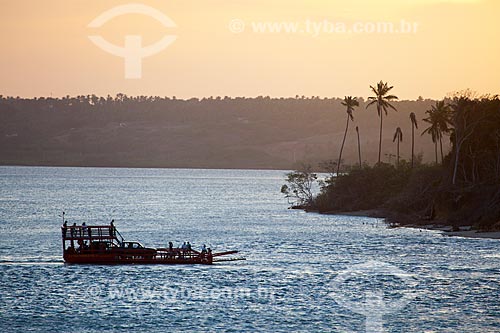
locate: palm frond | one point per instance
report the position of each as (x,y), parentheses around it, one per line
(391,97)
(398,135)
(373,101)
(391,106)
(413,119)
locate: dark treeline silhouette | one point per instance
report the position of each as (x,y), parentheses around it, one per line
(220,132)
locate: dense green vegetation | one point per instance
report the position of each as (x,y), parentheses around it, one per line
(460,188)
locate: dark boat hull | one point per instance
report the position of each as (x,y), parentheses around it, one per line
(103,259)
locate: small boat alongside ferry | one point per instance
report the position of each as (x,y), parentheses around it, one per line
(103,244)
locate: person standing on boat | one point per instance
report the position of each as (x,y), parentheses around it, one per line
(170,249)
(85,229)
(203,251)
(112,228)
(184,248)
(64,228)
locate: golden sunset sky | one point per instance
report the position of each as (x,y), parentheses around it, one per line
(46,49)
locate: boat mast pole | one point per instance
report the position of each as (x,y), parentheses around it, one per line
(63,233)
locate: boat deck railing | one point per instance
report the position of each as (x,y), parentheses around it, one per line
(107,232)
(179,253)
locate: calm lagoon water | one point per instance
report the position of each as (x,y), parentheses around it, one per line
(300,267)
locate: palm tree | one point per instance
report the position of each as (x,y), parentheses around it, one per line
(349,102)
(414,126)
(381,99)
(398,135)
(442,111)
(463,128)
(359,146)
(439,119)
(434,132)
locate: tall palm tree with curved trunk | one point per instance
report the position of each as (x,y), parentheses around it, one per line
(443,112)
(414,125)
(359,147)
(439,119)
(350,103)
(435,134)
(398,135)
(382,100)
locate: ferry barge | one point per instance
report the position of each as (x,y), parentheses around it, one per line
(103,244)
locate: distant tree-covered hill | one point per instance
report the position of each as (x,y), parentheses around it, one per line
(142,131)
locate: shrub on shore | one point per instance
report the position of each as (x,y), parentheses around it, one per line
(363,188)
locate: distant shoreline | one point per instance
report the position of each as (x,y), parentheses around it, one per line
(139,167)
